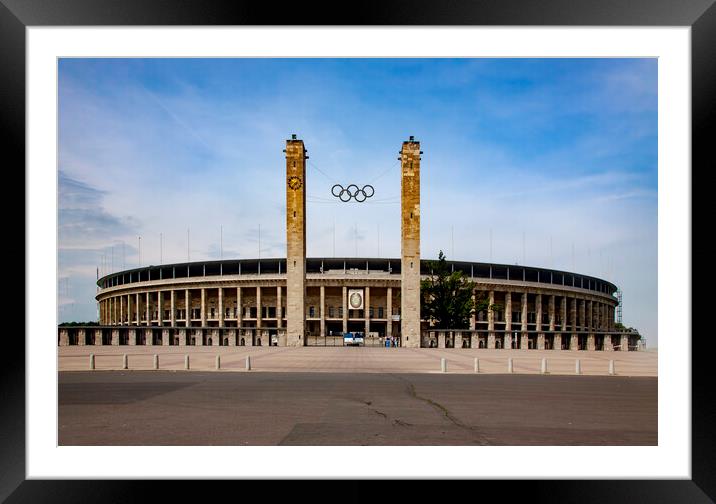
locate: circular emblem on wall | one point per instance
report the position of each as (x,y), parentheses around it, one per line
(294,182)
(356,301)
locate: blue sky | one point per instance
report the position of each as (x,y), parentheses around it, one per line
(556,159)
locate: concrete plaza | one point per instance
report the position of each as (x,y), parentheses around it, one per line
(358,360)
(340,409)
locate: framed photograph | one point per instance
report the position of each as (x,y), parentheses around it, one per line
(670,87)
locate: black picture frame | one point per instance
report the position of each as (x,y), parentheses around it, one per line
(700,15)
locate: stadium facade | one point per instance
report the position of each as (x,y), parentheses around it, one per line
(298,301)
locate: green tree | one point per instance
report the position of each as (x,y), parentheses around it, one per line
(446,297)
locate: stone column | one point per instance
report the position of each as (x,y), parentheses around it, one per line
(132,337)
(221,307)
(323,311)
(259,311)
(239,309)
(147,312)
(456,339)
(98,337)
(538,313)
(523,334)
(187,308)
(508,340)
(279,302)
(203,307)
(64,337)
(295,241)
(247,335)
(590,316)
(490,341)
(525,341)
(582,315)
(173,308)
(160,308)
(389,309)
(115,337)
(410,244)
(81,337)
(557,342)
(563,309)
(491,316)
(441,339)
(198,335)
(574,341)
(165,337)
(345,309)
(182,337)
(590,342)
(474,340)
(121,310)
(139,309)
(148,337)
(540,334)
(129,309)
(232,337)
(473,321)
(508,312)
(366,311)
(608,346)
(215,337)
(624,343)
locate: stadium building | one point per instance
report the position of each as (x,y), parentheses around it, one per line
(299,301)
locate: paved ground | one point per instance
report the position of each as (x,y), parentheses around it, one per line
(359,360)
(266,408)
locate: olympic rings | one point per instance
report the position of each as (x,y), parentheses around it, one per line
(352,191)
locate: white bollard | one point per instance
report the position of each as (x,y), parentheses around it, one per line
(443,364)
(577,367)
(611,368)
(186,362)
(477,365)
(125,363)
(156,361)
(91,365)
(543,370)
(248,363)
(218,362)
(509,365)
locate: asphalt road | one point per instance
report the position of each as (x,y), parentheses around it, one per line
(262,408)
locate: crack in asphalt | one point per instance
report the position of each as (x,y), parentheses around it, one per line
(377,412)
(410,388)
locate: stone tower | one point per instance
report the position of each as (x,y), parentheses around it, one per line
(295,242)
(410,243)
